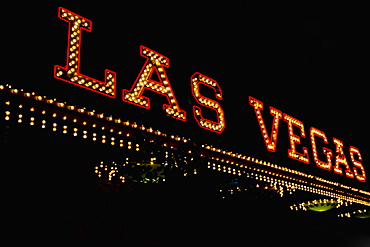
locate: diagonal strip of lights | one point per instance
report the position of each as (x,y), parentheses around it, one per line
(234,163)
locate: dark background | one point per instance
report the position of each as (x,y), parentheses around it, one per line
(307,59)
(53,197)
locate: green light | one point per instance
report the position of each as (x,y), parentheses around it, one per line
(321,206)
(363,215)
(145,173)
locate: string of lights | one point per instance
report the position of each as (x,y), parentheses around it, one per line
(108,130)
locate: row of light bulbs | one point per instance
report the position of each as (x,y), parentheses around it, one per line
(289,185)
(92,113)
(84,133)
(235,155)
(361,213)
(304,205)
(275,166)
(224,168)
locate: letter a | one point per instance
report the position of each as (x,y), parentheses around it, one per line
(155,62)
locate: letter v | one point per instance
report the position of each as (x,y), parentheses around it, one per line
(272,140)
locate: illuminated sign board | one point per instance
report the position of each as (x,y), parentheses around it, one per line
(128,104)
(345,160)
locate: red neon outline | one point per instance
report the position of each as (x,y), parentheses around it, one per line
(358,164)
(292,142)
(340,158)
(327,151)
(269,140)
(218,90)
(79,60)
(160,83)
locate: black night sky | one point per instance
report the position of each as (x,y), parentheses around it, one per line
(310,60)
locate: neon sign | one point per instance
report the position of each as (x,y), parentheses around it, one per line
(155,62)
(71,72)
(158,63)
(324,165)
(218,126)
(270,142)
